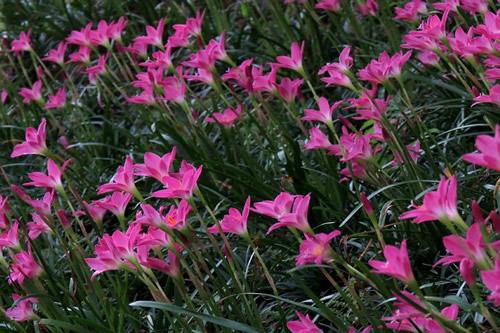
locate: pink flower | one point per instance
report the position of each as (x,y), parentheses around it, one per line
(297,217)
(10,238)
(385,67)
(100,35)
(277,208)
(303,325)
(193,24)
(33,94)
(317,140)
(491,26)
(200,75)
(4,94)
(242,74)
(51,180)
(367,206)
(161,59)
(288,89)
(338,72)
(294,61)
(171,266)
(315,249)
(438,205)
(4,212)
(81,37)
(450,5)
(57,55)
(176,217)
(34,143)
(56,101)
(122,181)
(95,211)
(397,264)
(368,8)
(489,151)
(474,6)
(264,82)
(98,69)
(182,184)
(410,11)
(116,251)
(22,310)
(429,34)
(116,203)
(234,222)
(115,29)
(328,5)
(37,227)
(23,43)
(493,97)
(154,36)
(42,207)
(428,58)
(82,55)
(216,48)
(156,166)
(491,280)
(353,147)
(369,107)
(146,97)
(324,115)
(226,118)
(413,152)
(23,266)
(174,88)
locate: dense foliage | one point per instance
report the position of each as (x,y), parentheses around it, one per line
(254,166)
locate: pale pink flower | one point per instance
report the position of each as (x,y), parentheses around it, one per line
(397,264)
(226,118)
(428,58)
(4,94)
(34,143)
(57,55)
(315,249)
(303,325)
(37,227)
(24,267)
(22,310)
(156,166)
(81,37)
(491,280)
(234,222)
(294,61)
(328,5)
(122,181)
(489,151)
(22,43)
(33,94)
(450,5)
(56,101)
(325,112)
(410,11)
(437,205)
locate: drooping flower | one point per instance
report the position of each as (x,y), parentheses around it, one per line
(410,11)
(37,226)
(315,249)
(489,151)
(297,217)
(437,205)
(182,184)
(303,325)
(22,310)
(226,118)
(397,264)
(325,112)
(57,55)
(22,43)
(491,280)
(56,101)
(234,222)
(24,267)
(294,61)
(122,181)
(33,94)
(34,143)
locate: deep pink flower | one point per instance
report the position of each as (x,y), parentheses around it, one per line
(42,207)
(489,151)
(97,69)
(324,115)
(338,71)
(10,238)
(33,94)
(122,181)
(491,26)
(368,106)
(57,55)
(428,58)
(202,59)
(182,184)
(491,280)
(176,217)
(438,205)
(397,264)
(146,97)
(493,97)
(171,266)
(95,211)
(315,249)
(24,267)
(297,217)
(317,140)
(82,55)
(264,82)
(353,147)
(156,166)
(37,227)
(429,34)
(116,203)
(294,61)
(115,29)
(174,88)
(193,24)
(22,43)
(150,216)
(200,75)
(410,11)
(413,152)
(4,212)
(447,5)
(34,143)
(234,222)
(242,74)
(368,8)
(474,6)
(161,59)
(303,325)
(56,101)
(365,202)
(51,180)
(277,208)
(226,118)
(22,310)
(289,89)
(81,37)
(385,67)
(217,49)
(154,36)
(328,5)
(100,35)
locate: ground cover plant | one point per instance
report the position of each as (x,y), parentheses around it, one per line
(250,166)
